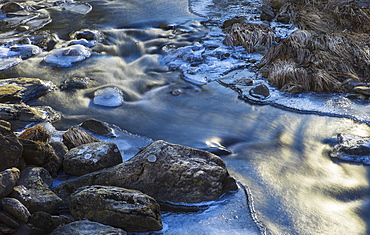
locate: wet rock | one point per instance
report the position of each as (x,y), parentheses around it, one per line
(10,7)
(74,137)
(108,97)
(10,147)
(130,210)
(21,115)
(85,227)
(352,148)
(364,90)
(64,57)
(230,22)
(33,192)
(9,220)
(6,230)
(43,220)
(31,173)
(76,83)
(261,91)
(15,208)
(26,51)
(267,13)
(165,171)
(8,179)
(91,157)
(36,133)
(40,154)
(87,34)
(253,37)
(98,127)
(60,150)
(23,89)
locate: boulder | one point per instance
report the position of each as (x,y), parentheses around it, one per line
(74,137)
(36,133)
(60,150)
(165,171)
(85,227)
(21,115)
(10,148)
(41,154)
(98,127)
(91,157)
(33,191)
(43,220)
(8,179)
(23,89)
(15,208)
(130,210)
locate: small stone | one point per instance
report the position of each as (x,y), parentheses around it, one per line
(176,92)
(76,83)
(261,91)
(98,127)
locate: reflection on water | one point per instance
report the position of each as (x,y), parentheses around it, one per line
(281,156)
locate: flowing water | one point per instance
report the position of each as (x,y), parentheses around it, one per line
(166,59)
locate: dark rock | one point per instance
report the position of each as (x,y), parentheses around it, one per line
(85,227)
(87,34)
(36,133)
(10,147)
(165,171)
(33,191)
(76,83)
(23,89)
(43,220)
(60,149)
(21,115)
(10,7)
(230,22)
(40,154)
(74,137)
(23,229)
(8,179)
(91,157)
(356,96)
(4,229)
(98,127)
(244,81)
(8,219)
(261,91)
(15,208)
(267,13)
(130,210)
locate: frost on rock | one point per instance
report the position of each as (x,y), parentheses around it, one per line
(64,57)
(108,97)
(352,148)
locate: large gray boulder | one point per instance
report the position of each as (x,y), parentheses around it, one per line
(33,191)
(130,210)
(165,171)
(10,148)
(8,179)
(85,227)
(91,157)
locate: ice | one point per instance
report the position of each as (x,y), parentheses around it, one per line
(64,57)
(76,7)
(6,63)
(108,97)
(25,51)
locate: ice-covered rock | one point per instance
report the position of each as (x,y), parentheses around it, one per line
(64,57)
(352,148)
(108,97)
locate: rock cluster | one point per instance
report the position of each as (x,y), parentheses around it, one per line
(114,196)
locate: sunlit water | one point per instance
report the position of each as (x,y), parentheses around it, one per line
(166,65)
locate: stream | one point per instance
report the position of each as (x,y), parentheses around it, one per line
(168,60)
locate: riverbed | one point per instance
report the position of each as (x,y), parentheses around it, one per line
(167,59)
